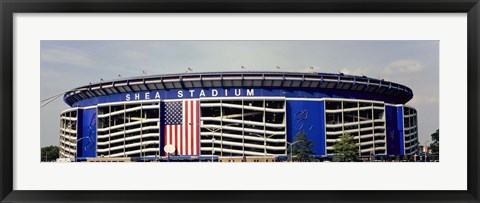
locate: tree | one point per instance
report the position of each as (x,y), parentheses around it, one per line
(49,153)
(434,146)
(303,148)
(345,148)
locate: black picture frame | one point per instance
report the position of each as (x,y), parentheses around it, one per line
(10,7)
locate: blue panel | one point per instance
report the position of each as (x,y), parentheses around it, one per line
(87,141)
(235,92)
(321,127)
(400,129)
(161,130)
(394,124)
(309,117)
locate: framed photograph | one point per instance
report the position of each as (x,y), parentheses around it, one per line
(205,101)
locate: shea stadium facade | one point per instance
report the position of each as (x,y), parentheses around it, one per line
(236,114)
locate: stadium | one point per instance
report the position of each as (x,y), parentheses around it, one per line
(235,115)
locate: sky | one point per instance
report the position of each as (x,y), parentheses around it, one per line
(69,64)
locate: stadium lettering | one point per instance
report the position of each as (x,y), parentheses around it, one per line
(202,93)
(145,96)
(216,93)
(192,94)
(250,92)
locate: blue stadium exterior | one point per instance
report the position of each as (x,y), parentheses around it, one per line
(237,114)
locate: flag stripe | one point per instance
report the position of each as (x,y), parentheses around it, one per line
(179,139)
(194,126)
(185,126)
(197,127)
(175,138)
(190,127)
(182,145)
(167,135)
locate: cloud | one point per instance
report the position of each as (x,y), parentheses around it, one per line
(403,67)
(66,56)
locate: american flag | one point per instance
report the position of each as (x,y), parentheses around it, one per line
(181,126)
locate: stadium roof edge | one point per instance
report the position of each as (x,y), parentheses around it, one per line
(242,79)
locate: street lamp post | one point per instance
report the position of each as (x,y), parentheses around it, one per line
(264,144)
(213,146)
(213,131)
(291,149)
(76,146)
(372,152)
(145,146)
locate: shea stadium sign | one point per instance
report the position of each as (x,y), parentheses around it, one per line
(192,93)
